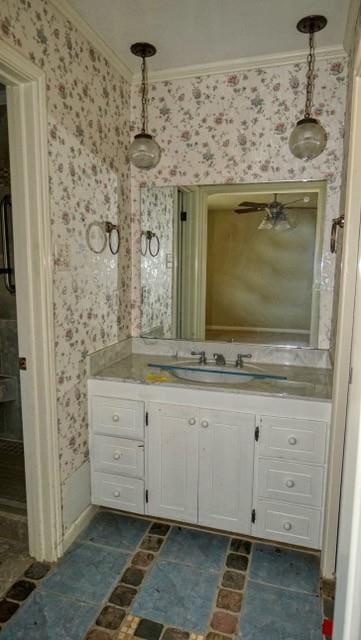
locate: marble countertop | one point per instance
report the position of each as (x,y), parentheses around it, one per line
(302,382)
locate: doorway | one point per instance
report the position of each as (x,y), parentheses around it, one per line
(12,467)
(32,253)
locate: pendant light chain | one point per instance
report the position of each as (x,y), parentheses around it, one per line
(144,94)
(310,76)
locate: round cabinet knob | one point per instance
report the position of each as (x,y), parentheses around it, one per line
(290,483)
(116,494)
(287,526)
(116,455)
(292,440)
(116,417)
(204,424)
(191,421)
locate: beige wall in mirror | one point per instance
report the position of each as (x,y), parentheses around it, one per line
(233,262)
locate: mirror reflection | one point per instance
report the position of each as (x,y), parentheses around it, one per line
(232,262)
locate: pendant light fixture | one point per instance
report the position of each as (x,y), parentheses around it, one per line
(308,138)
(144,152)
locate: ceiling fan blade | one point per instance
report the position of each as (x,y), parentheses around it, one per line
(254,205)
(249,210)
(302,208)
(287,204)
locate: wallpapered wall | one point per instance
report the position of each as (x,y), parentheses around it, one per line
(157,216)
(88,112)
(234,128)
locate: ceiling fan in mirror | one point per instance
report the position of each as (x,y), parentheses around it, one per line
(276,217)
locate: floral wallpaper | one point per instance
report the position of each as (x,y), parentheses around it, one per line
(157,216)
(88,120)
(231,128)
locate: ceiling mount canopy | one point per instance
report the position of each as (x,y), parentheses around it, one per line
(308,138)
(144,152)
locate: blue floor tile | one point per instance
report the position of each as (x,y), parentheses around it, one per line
(206,551)
(46,616)
(86,572)
(285,568)
(115,530)
(177,595)
(272,613)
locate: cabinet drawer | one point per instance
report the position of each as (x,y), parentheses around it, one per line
(118,492)
(293,439)
(119,456)
(290,482)
(288,523)
(117,417)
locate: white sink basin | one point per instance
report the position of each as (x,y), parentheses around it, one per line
(210,375)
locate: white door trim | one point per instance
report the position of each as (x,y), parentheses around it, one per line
(28,133)
(344,327)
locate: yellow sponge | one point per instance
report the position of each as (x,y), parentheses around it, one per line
(156,377)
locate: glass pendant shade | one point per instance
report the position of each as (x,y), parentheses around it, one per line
(308,139)
(144,152)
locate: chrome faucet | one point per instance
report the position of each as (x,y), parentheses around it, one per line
(219,358)
(240,356)
(202,356)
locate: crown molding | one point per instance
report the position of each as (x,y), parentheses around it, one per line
(93,37)
(240,64)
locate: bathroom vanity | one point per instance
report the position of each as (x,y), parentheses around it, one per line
(247,458)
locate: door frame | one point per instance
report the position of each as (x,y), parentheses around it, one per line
(28,140)
(345,321)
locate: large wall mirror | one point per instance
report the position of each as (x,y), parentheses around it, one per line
(232,262)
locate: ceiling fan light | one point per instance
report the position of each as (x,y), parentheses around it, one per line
(308,139)
(265,224)
(144,152)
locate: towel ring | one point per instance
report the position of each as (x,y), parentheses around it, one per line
(110,228)
(146,238)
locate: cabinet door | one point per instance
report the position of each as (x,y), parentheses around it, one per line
(172,437)
(226,469)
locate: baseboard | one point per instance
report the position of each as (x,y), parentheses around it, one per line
(80,523)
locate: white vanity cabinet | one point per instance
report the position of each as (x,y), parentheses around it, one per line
(244,463)
(200,465)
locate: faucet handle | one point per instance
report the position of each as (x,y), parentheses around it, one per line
(240,356)
(202,356)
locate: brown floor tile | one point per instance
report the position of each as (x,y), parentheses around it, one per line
(20,590)
(236,561)
(7,609)
(152,543)
(37,570)
(122,595)
(241,546)
(224,622)
(216,636)
(110,617)
(143,559)
(233,580)
(229,600)
(133,576)
(328,588)
(148,629)
(97,634)
(159,529)
(175,634)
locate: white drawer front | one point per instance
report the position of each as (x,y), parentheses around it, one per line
(290,481)
(118,492)
(288,523)
(293,439)
(117,417)
(119,456)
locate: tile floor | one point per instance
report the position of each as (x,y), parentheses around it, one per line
(127,577)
